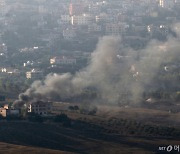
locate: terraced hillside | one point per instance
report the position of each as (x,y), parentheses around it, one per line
(81,137)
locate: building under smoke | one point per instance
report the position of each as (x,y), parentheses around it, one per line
(40,107)
(110,73)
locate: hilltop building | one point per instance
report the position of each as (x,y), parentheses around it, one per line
(40,107)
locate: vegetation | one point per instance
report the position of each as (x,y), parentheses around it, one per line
(68,132)
(63,118)
(74,108)
(86,133)
(32,117)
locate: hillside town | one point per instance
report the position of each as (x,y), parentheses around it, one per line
(42,37)
(89,76)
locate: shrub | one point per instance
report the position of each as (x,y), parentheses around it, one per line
(61,118)
(76,107)
(73,108)
(35,118)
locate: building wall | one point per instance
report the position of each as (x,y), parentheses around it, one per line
(3,112)
(115,29)
(40,108)
(8,112)
(94,28)
(81,20)
(34,75)
(13,112)
(166,3)
(63,60)
(75,9)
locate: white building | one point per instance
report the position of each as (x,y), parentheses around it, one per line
(63,60)
(28,63)
(10,71)
(167,3)
(84,19)
(39,107)
(34,74)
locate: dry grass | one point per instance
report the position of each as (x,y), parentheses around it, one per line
(148,116)
(145,115)
(90,134)
(18,149)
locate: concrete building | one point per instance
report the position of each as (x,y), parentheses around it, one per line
(164,30)
(101,18)
(84,19)
(63,60)
(94,28)
(34,74)
(76,8)
(40,107)
(167,3)
(9,71)
(65,19)
(3,112)
(116,29)
(6,111)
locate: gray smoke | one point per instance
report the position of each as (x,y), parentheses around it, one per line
(116,72)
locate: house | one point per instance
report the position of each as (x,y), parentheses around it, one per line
(28,63)
(3,112)
(34,74)
(84,19)
(63,60)
(76,8)
(6,111)
(23,50)
(40,107)
(166,3)
(94,28)
(9,71)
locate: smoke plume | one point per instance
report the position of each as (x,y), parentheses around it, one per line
(119,74)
